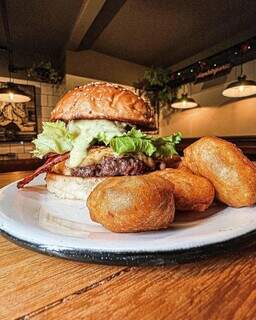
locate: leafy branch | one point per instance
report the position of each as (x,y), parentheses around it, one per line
(155,86)
(44,72)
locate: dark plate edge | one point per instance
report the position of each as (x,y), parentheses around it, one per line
(156,258)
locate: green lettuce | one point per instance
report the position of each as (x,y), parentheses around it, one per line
(166,145)
(79,136)
(135,141)
(55,138)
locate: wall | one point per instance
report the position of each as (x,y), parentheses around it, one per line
(72,81)
(233,119)
(46,98)
(217,115)
(91,64)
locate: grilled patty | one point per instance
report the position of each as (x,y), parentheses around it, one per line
(112,166)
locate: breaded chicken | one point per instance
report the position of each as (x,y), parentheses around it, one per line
(229,170)
(191,192)
(132,204)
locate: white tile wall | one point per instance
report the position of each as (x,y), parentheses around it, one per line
(44,100)
(46,89)
(49,96)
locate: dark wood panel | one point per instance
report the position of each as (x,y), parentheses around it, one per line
(19,165)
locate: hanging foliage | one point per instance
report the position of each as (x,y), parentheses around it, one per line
(44,72)
(155,86)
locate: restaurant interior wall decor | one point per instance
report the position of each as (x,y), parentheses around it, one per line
(216,114)
(46,96)
(18,121)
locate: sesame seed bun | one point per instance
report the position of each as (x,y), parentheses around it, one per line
(100,100)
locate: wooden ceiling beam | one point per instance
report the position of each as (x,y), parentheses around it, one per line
(104,17)
(88,12)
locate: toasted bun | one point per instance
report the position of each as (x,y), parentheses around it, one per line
(132,204)
(67,187)
(101,100)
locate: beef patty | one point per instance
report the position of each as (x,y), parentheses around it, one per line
(112,166)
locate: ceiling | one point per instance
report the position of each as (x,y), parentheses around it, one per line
(165,32)
(41,26)
(145,32)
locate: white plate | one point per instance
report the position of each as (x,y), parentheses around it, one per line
(37,219)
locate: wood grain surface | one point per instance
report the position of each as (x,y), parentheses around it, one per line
(34,286)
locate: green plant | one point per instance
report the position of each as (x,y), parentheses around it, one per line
(155,86)
(45,72)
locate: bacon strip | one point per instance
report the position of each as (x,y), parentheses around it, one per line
(46,167)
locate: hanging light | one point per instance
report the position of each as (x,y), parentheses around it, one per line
(185,102)
(11,92)
(240,88)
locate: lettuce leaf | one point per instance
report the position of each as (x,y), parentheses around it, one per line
(166,145)
(135,141)
(126,144)
(59,138)
(55,138)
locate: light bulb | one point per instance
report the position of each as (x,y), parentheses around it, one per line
(241,88)
(11,96)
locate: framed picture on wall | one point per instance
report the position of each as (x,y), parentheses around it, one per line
(18,121)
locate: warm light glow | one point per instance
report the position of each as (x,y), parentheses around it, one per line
(240,91)
(11,96)
(241,88)
(12,93)
(184,104)
(14,97)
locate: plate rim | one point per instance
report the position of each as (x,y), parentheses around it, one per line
(156,258)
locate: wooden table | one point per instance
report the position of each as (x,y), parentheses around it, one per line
(35,286)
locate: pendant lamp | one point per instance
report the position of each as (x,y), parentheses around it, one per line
(240,88)
(185,102)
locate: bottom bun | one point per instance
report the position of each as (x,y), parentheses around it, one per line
(67,187)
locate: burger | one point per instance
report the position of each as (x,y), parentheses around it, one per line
(96,132)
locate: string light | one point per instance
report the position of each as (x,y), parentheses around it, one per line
(222,62)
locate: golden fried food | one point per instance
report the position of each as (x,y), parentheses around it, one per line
(133,204)
(229,170)
(191,192)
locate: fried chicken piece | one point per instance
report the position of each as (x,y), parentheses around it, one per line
(191,192)
(132,204)
(229,170)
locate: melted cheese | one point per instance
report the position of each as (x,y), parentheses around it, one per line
(86,131)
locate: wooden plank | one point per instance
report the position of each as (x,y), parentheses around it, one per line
(8,177)
(29,281)
(220,288)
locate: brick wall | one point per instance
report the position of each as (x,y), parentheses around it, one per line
(46,98)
